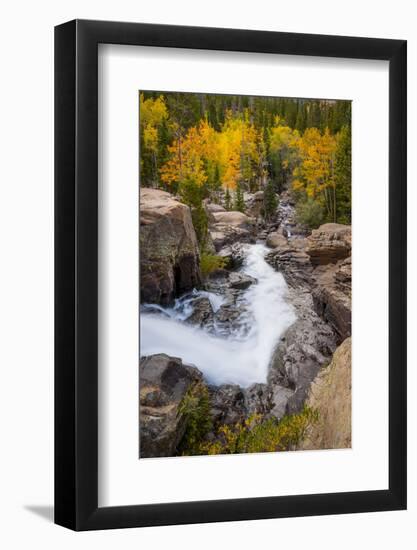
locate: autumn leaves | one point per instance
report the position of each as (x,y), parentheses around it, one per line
(201,159)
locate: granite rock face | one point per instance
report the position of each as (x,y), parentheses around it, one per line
(169,254)
(331,395)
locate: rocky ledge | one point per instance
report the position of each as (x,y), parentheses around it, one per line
(320,265)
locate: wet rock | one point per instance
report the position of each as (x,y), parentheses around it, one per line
(169,254)
(329,243)
(202,314)
(164,381)
(241,281)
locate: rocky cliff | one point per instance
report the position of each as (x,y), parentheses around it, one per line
(169,255)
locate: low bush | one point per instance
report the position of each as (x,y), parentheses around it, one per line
(210,263)
(310,213)
(257,435)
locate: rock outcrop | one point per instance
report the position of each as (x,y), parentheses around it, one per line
(305,347)
(329,243)
(293,263)
(276,240)
(332,297)
(331,395)
(169,255)
(163,383)
(231,227)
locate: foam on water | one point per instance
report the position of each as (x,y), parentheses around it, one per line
(233,360)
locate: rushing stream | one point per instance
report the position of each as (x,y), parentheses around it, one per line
(240,357)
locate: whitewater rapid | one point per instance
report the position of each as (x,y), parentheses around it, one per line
(240,358)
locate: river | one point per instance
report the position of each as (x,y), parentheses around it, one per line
(240,357)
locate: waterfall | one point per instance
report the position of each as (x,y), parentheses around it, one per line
(241,357)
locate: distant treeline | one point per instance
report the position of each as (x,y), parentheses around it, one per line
(298,114)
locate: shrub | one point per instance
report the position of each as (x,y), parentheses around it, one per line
(256,435)
(310,212)
(210,263)
(200,223)
(195,406)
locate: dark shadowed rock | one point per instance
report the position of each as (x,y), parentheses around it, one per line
(234,254)
(227,404)
(258,399)
(202,314)
(169,255)
(163,382)
(268,400)
(332,297)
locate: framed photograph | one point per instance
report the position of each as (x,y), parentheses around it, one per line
(230,248)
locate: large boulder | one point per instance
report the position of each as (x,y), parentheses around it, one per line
(169,254)
(163,383)
(332,297)
(276,240)
(231,227)
(331,395)
(329,243)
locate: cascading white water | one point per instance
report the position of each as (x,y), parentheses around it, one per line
(233,359)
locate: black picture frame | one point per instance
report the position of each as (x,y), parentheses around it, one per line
(76,272)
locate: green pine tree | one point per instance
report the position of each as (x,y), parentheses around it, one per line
(270,201)
(239,200)
(227,200)
(343,176)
